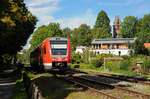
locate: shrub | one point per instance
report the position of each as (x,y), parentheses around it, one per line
(76,58)
(95,62)
(124,65)
(99,60)
(126,57)
(112,65)
(146,63)
(146,66)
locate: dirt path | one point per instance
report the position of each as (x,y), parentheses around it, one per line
(7,82)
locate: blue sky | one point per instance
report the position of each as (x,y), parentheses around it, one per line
(72,13)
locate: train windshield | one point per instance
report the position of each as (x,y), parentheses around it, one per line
(58,47)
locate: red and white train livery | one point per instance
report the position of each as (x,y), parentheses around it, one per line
(53,54)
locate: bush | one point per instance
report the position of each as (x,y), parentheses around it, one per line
(95,62)
(146,63)
(146,66)
(126,57)
(112,65)
(99,60)
(76,58)
(124,65)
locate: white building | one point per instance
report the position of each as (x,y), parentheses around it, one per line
(116,46)
(79,49)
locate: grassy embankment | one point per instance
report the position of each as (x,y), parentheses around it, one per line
(19,91)
(125,66)
(111,67)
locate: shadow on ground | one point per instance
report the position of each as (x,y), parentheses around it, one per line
(53,88)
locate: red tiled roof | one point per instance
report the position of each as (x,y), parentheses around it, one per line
(146,45)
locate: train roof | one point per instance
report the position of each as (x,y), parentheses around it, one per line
(50,38)
(58,38)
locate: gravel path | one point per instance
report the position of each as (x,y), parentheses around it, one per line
(7,83)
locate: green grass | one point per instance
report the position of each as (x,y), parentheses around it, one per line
(19,90)
(87,67)
(31,75)
(53,88)
(111,67)
(124,72)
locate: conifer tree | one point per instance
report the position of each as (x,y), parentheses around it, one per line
(102,28)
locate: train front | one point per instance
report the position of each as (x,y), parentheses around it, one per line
(60,51)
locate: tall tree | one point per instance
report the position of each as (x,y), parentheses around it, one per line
(144,28)
(16,24)
(102,25)
(67,32)
(100,33)
(139,46)
(43,32)
(143,35)
(129,27)
(82,35)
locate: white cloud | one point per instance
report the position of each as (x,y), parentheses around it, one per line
(43,7)
(46,19)
(42,2)
(73,22)
(87,18)
(43,10)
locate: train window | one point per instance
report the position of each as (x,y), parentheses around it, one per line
(58,47)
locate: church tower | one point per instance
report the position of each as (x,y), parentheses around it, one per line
(116,26)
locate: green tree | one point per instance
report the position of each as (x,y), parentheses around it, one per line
(102,26)
(85,55)
(43,32)
(143,35)
(139,46)
(129,27)
(67,32)
(100,33)
(81,35)
(144,28)
(24,57)
(16,24)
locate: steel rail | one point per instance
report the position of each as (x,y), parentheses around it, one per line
(122,77)
(105,95)
(126,79)
(143,96)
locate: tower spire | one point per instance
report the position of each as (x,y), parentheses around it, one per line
(116,26)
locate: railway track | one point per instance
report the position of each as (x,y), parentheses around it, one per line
(101,87)
(80,84)
(121,90)
(132,79)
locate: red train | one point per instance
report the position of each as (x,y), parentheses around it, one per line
(53,54)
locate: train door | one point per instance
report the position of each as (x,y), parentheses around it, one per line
(44,53)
